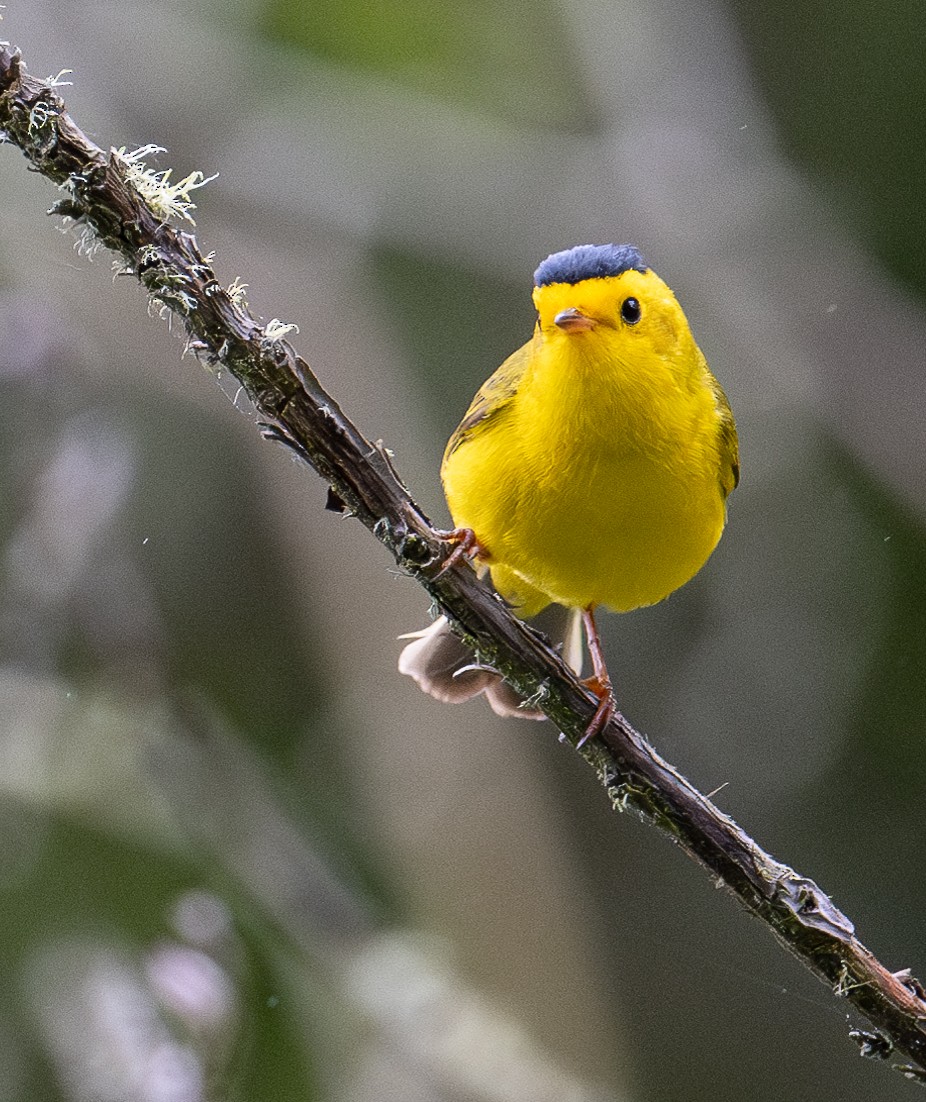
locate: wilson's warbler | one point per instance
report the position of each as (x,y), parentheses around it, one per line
(591,469)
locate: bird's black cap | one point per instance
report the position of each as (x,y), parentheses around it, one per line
(588,262)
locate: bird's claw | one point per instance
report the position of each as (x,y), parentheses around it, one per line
(466,546)
(605,711)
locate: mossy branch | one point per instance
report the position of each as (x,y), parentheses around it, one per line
(101,193)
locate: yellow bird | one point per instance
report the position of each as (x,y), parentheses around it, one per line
(592,468)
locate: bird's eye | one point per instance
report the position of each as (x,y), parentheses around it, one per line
(630,311)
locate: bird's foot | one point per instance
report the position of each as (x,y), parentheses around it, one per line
(607,708)
(465,546)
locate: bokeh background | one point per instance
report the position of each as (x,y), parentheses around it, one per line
(241,857)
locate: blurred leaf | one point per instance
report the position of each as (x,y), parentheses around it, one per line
(458,326)
(512,61)
(886,740)
(847,85)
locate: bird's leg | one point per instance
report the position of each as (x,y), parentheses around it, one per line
(466,546)
(599,682)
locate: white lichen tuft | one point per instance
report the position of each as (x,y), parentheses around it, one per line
(275,329)
(236,291)
(158,308)
(40,114)
(121,268)
(86,243)
(167,200)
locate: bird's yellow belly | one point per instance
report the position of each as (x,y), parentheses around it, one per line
(630,539)
(594,528)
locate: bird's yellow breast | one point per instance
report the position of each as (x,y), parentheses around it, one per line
(593,467)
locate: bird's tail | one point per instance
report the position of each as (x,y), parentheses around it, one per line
(446,668)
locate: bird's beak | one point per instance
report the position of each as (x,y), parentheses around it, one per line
(572,320)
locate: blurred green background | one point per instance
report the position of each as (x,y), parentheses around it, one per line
(242,857)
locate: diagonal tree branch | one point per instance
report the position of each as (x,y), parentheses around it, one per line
(100,196)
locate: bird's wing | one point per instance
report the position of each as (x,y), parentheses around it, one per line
(727,440)
(494,395)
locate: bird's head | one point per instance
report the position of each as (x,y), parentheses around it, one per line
(607,291)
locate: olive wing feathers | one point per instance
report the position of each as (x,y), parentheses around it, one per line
(728,443)
(494,396)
